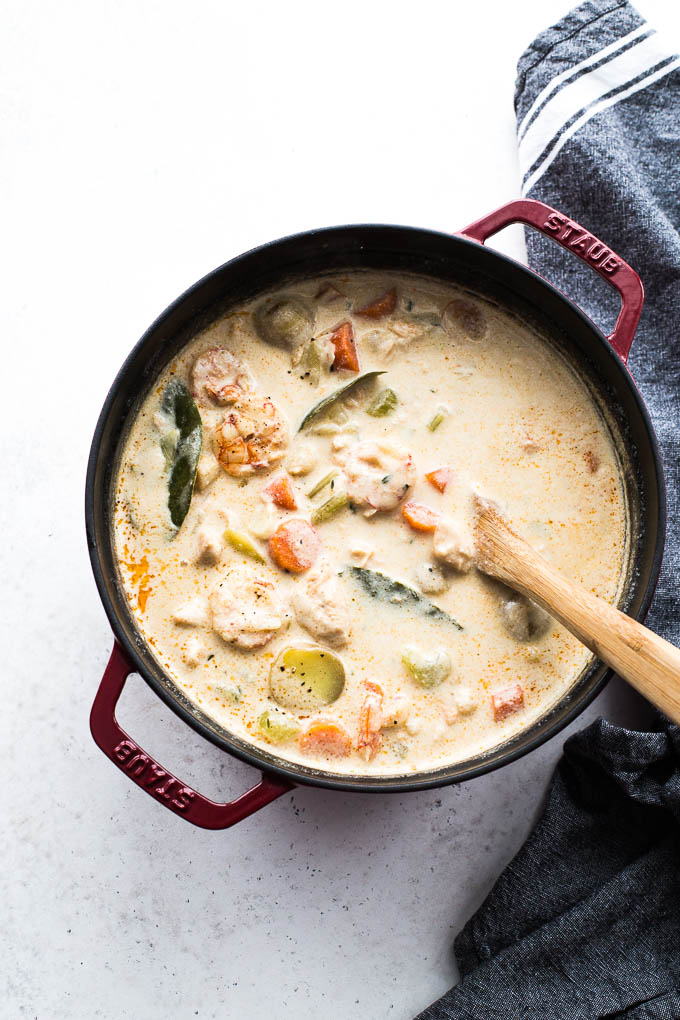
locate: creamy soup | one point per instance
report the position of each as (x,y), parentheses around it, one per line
(305,571)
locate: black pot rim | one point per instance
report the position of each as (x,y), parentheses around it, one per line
(289,771)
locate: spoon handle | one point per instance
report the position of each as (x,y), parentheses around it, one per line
(650,664)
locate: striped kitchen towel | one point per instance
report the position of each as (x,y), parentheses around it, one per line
(598,114)
(585,921)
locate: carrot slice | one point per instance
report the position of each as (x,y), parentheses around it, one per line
(294,545)
(440,478)
(326,738)
(507,701)
(420,516)
(342,339)
(380,307)
(281,493)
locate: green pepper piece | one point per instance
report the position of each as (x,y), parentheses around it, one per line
(382,403)
(180,408)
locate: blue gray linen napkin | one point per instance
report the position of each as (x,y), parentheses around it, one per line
(585,921)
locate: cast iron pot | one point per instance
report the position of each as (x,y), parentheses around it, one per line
(463,259)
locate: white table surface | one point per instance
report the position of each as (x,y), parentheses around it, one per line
(143,144)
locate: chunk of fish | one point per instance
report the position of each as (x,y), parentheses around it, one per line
(246,609)
(378,474)
(322,606)
(192,613)
(209,543)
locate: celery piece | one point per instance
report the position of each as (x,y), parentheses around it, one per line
(242,543)
(311,362)
(230,693)
(427,670)
(437,418)
(331,507)
(382,403)
(277,726)
(322,483)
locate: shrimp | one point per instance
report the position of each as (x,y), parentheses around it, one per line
(252,436)
(219,377)
(322,608)
(246,609)
(378,474)
(371,720)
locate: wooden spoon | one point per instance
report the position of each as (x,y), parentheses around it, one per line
(650,664)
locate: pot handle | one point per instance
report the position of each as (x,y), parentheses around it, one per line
(592,251)
(143,770)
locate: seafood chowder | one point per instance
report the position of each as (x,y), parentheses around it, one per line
(293,521)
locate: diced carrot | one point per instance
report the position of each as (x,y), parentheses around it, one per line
(294,545)
(420,516)
(370,720)
(281,493)
(342,339)
(440,478)
(326,738)
(380,307)
(507,701)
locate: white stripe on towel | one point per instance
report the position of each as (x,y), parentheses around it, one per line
(573,98)
(590,112)
(559,78)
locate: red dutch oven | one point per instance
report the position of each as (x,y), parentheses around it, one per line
(461,259)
